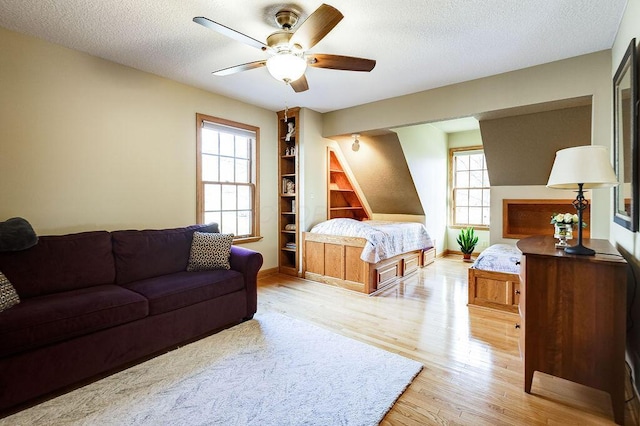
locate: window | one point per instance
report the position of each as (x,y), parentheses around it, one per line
(471,187)
(227,176)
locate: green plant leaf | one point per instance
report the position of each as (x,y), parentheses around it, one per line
(467,240)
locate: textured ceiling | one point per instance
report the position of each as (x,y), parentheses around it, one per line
(418,44)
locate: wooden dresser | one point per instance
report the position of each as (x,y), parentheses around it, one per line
(573,315)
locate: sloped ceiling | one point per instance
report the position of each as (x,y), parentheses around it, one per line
(520,149)
(382,172)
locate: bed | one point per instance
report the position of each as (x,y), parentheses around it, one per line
(494,280)
(365,256)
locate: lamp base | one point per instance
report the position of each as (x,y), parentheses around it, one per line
(580,250)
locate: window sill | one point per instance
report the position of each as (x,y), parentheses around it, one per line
(246,240)
(475,227)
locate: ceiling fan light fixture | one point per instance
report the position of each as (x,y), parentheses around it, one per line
(289,46)
(286,67)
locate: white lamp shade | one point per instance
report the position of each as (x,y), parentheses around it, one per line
(588,165)
(286,67)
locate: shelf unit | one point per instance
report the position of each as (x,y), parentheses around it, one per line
(288,241)
(343,199)
(528,217)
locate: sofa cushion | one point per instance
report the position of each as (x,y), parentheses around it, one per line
(52,318)
(174,291)
(8,295)
(151,253)
(60,263)
(210,251)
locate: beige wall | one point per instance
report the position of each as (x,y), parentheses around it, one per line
(313,170)
(88,144)
(555,81)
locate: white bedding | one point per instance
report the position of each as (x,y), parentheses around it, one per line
(499,258)
(384,239)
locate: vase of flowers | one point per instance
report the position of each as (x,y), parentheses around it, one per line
(563,227)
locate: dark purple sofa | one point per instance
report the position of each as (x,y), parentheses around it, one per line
(95,302)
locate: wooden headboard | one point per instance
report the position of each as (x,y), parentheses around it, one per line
(524,218)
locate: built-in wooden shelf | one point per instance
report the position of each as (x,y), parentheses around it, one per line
(343,199)
(288,257)
(528,217)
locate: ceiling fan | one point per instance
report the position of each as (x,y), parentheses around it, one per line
(289,47)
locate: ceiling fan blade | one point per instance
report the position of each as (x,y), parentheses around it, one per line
(316,26)
(337,62)
(300,85)
(231,33)
(238,68)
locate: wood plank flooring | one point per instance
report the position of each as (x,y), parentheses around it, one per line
(472,375)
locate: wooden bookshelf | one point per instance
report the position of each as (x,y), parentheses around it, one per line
(343,197)
(288,241)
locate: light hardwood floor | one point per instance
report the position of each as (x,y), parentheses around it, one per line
(472,375)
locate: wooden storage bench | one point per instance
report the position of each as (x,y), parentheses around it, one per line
(493,279)
(335,260)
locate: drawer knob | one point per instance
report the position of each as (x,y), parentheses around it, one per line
(517,262)
(517,325)
(517,291)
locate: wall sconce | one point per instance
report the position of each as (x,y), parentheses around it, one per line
(356,143)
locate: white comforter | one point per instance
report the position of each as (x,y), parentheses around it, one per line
(499,258)
(384,239)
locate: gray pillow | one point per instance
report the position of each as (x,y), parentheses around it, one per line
(210,251)
(8,295)
(210,227)
(16,234)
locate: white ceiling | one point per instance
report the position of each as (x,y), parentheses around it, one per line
(418,44)
(458,125)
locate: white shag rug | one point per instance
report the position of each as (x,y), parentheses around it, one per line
(272,370)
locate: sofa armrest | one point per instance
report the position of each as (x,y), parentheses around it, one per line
(248,262)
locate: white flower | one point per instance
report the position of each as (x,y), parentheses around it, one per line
(575,218)
(568,218)
(559,218)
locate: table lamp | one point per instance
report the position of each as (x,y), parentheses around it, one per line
(580,168)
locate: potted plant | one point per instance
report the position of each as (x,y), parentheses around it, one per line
(467,240)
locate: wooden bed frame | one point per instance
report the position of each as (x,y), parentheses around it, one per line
(491,289)
(335,260)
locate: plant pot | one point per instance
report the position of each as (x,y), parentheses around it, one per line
(466,257)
